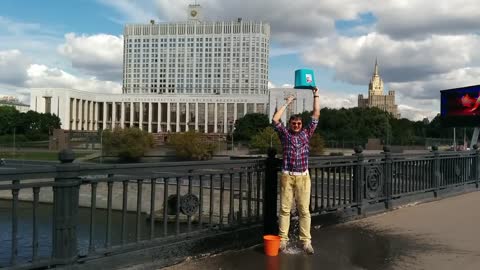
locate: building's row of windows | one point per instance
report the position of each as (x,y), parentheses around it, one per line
(188,52)
(199,45)
(199,58)
(198,39)
(199,72)
(237,91)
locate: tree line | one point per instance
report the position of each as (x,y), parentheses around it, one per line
(354,125)
(31,126)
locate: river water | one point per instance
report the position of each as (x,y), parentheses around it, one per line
(44,223)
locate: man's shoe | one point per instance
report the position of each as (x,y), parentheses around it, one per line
(283,245)
(307,247)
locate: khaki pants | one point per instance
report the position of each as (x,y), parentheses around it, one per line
(297,186)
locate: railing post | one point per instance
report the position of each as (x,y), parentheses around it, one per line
(387,170)
(65,209)
(270,219)
(435,170)
(358,179)
(477,165)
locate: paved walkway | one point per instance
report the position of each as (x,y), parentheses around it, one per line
(438,235)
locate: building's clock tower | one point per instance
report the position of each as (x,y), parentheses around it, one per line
(194,12)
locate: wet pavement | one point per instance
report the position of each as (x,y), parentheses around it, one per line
(336,247)
(437,235)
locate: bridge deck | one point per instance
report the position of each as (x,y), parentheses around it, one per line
(436,235)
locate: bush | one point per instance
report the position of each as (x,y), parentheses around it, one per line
(317,144)
(262,141)
(191,145)
(128,144)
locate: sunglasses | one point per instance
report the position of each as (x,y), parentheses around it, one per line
(296,123)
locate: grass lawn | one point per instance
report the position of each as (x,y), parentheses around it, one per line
(37,155)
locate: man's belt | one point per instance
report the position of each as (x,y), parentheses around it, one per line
(295,173)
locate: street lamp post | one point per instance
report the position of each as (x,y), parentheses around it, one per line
(14,146)
(233,129)
(101,146)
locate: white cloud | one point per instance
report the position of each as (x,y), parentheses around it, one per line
(336,100)
(302,20)
(13,65)
(40,76)
(415,114)
(100,55)
(420,18)
(400,61)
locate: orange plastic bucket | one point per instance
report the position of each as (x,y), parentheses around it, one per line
(271,244)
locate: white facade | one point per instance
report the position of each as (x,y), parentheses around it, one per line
(196,57)
(80,110)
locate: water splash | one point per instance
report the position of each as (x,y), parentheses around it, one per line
(292,249)
(294,231)
(293,234)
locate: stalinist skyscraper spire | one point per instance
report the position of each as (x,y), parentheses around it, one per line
(376,83)
(376,96)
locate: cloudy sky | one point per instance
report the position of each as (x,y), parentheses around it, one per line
(422,46)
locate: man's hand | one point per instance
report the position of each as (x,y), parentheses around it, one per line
(290,99)
(315,91)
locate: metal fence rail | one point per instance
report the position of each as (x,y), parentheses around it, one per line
(70,213)
(95,210)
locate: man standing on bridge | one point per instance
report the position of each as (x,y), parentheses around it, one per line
(295,181)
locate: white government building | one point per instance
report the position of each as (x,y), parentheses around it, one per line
(194,75)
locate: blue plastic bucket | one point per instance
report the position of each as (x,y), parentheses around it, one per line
(304,79)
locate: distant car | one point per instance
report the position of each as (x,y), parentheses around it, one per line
(2,162)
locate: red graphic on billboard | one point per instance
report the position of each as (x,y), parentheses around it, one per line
(469,103)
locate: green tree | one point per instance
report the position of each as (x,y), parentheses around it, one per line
(249,125)
(191,145)
(316,144)
(356,124)
(265,139)
(9,119)
(435,129)
(35,126)
(38,126)
(129,144)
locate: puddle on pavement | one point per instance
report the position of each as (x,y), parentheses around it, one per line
(347,246)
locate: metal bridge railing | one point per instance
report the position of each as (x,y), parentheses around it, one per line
(69,213)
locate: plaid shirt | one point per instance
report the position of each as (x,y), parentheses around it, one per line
(296,148)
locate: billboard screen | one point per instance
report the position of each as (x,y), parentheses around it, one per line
(460,107)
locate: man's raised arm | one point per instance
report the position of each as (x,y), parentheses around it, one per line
(316,104)
(278,114)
